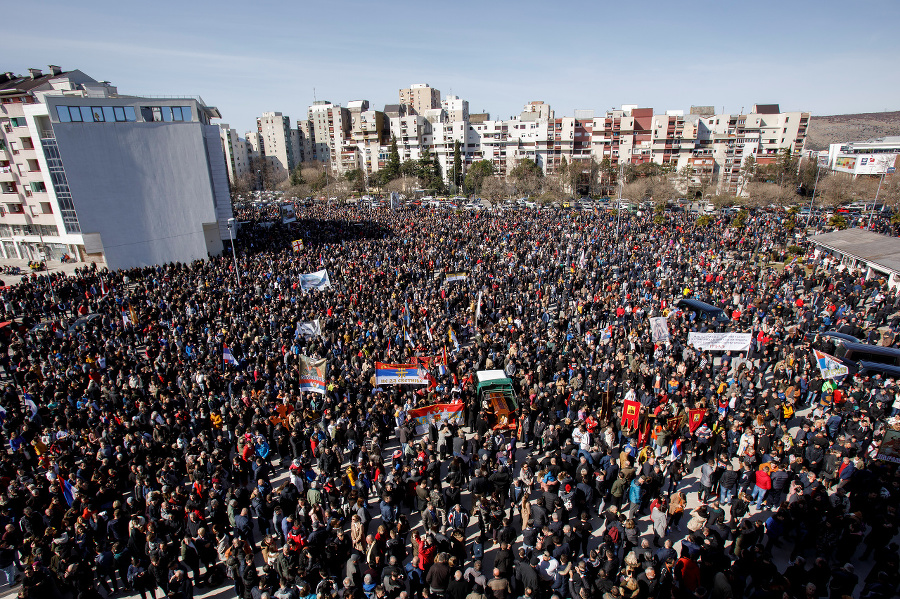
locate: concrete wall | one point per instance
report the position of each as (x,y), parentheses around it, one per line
(146,188)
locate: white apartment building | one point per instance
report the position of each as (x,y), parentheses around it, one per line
(237,158)
(456,108)
(420,97)
(120,180)
(329,126)
(279,147)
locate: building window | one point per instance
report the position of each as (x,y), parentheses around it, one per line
(18,121)
(62,112)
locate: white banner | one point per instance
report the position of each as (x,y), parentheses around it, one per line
(720,341)
(309,328)
(659,328)
(453,277)
(315,280)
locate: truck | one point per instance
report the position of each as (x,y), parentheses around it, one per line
(496,399)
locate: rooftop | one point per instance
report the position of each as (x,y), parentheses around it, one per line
(874,248)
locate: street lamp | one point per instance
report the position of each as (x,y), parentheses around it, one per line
(231,225)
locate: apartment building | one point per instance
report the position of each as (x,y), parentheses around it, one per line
(280,146)
(328,127)
(456,108)
(120,180)
(237,157)
(420,97)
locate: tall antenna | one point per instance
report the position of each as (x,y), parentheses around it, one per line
(314,95)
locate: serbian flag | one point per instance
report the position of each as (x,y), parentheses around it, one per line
(228,357)
(452,336)
(695,418)
(631,413)
(67,490)
(103,289)
(676,449)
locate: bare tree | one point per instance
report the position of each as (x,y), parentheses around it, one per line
(494,189)
(403,184)
(637,190)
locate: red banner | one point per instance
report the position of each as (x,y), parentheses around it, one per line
(695,418)
(631,414)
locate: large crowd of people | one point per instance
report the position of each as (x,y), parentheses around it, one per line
(142,459)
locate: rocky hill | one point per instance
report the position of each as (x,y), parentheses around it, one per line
(824,130)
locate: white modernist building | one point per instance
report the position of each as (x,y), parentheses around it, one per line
(120,180)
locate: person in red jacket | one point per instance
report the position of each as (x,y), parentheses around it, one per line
(762,486)
(427,551)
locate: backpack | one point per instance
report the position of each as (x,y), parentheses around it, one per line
(613,535)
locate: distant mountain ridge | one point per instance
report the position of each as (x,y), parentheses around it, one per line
(825,130)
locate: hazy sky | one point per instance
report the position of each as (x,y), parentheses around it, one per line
(826,57)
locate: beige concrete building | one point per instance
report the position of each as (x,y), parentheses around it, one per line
(420,97)
(277,144)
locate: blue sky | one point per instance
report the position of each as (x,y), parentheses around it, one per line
(827,57)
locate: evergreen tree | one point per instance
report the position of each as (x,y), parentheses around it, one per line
(457,164)
(392,168)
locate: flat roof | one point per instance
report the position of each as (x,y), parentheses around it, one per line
(879,250)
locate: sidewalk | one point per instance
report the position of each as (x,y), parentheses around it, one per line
(53,267)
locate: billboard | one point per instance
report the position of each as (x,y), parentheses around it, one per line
(845,163)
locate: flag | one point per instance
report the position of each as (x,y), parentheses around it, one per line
(398,374)
(438,413)
(126,321)
(134,318)
(309,328)
(67,489)
(103,289)
(297,244)
(428,331)
(478,308)
(312,374)
(228,357)
(582,262)
(29,403)
(442,365)
(607,333)
(631,413)
(829,366)
(452,336)
(695,418)
(406,311)
(676,449)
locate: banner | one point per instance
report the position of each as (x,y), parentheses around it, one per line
(453,277)
(720,341)
(398,374)
(315,280)
(659,328)
(631,413)
(438,413)
(829,366)
(889,450)
(695,418)
(309,328)
(312,375)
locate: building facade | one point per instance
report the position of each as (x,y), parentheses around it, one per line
(279,146)
(420,97)
(120,180)
(237,157)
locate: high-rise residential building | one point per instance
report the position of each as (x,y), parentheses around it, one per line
(279,146)
(329,125)
(456,108)
(237,158)
(420,97)
(121,180)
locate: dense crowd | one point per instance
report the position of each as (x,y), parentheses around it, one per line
(139,460)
